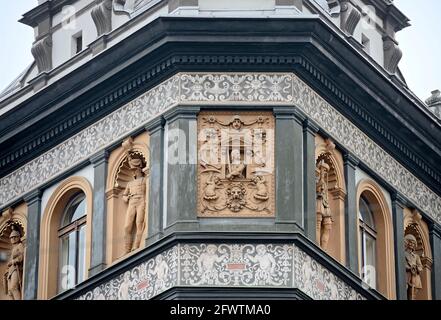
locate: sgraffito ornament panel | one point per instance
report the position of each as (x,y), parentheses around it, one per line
(226,265)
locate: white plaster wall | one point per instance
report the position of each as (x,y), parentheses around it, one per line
(86,172)
(67,10)
(371,31)
(62,38)
(118,19)
(323,4)
(163,11)
(360,175)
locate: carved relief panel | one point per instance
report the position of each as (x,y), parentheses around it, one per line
(236,164)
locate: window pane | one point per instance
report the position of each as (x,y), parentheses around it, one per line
(370,255)
(64,261)
(72,258)
(80,210)
(74,210)
(67,263)
(360,247)
(81,253)
(366,213)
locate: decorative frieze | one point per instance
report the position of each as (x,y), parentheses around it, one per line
(226,265)
(317,282)
(221,89)
(143,282)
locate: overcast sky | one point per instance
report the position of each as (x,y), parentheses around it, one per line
(420,43)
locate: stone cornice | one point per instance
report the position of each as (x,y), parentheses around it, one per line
(144,74)
(387,9)
(33,17)
(169,64)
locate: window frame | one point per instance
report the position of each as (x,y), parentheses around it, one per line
(65,230)
(364,230)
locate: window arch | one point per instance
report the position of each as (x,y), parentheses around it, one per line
(65,237)
(375,220)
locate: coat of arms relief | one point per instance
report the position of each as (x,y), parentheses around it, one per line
(236,164)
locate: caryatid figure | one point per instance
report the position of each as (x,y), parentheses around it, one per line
(414,267)
(324,217)
(14,273)
(135,196)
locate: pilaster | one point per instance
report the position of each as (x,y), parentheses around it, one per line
(155,213)
(309,131)
(181,161)
(30,272)
(99,216)
(398,204)
(435,242)
(289,168)
(351,236)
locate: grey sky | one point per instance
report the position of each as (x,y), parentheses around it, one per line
(421,43)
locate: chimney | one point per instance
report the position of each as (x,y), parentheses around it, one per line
(434,103)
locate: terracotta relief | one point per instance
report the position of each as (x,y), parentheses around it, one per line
(418,254)
(13,279)
(414,267)
(324,216)
(132,178)
(235,164)
(12,226)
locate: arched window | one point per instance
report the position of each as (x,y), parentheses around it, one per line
(65,237)
(367,241)
(72,235)
(375,238)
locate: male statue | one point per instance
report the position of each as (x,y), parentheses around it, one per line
(135,196)
(414,267)
(324,217)
(14,273)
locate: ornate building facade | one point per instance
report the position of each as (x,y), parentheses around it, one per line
(170,149)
